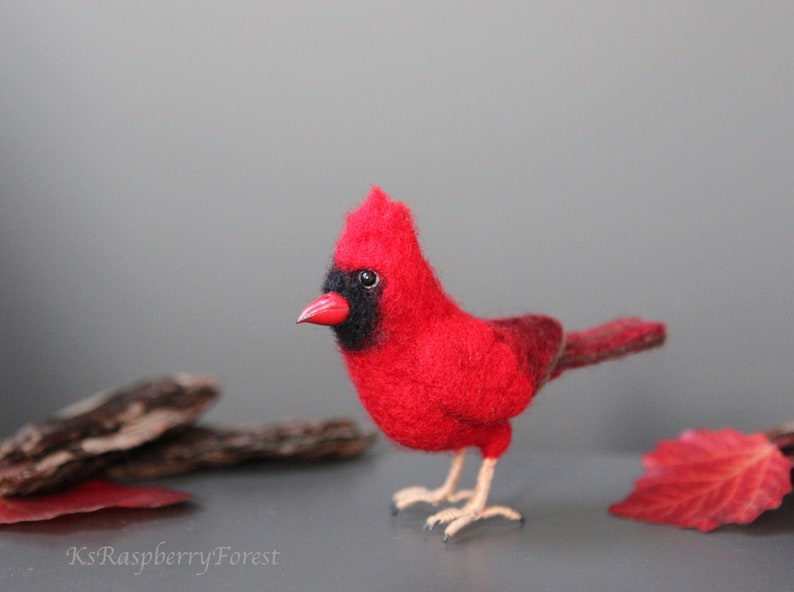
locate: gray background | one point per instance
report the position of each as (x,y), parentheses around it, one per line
(173,176)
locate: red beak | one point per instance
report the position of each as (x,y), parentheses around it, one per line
(329,309)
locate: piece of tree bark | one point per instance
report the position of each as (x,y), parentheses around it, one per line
(95,432)
(199,447)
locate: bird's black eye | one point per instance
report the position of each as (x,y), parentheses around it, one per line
(368,278)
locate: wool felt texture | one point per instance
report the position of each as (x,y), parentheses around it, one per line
(432,376)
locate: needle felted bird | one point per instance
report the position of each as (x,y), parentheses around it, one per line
(433,377)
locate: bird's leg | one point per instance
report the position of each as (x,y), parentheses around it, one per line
(412,495)
(475,508)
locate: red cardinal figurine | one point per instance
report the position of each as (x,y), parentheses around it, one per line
(432,376)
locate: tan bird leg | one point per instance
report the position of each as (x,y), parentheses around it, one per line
(446,493)
(475,508)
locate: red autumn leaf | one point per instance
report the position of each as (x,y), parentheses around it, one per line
(705,479)
(87,496)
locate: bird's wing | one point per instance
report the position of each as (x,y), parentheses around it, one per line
(537,341)
(501,365)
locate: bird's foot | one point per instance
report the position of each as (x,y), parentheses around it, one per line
(413,495)
(457,518)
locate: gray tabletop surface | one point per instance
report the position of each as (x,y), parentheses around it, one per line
(328,527)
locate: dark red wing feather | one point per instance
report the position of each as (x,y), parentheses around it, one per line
(537,341)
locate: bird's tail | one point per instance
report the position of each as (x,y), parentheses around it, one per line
(615,339)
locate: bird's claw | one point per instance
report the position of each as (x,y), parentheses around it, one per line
(458,518)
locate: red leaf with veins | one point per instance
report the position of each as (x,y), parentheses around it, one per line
(708,478)
(87,496)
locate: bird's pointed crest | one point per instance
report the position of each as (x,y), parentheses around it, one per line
(379,234)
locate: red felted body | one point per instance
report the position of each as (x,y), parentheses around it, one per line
(436,378)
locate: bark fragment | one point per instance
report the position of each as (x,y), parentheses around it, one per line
(146,430)
(199,447)
(93,433)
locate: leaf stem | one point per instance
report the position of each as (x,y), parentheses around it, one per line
(782,436)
